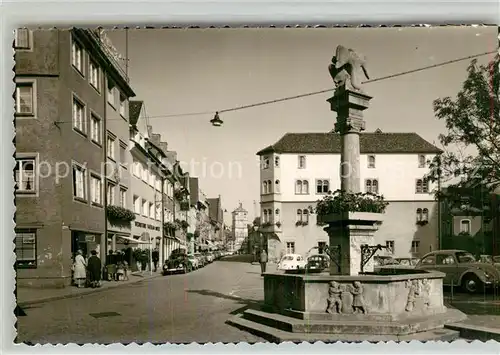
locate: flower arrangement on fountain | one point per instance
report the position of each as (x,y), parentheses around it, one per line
(342,203)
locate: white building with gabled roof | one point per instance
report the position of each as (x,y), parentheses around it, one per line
(301,168)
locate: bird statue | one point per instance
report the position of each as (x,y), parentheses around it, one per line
(346,67)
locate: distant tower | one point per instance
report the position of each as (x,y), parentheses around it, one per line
(240,230)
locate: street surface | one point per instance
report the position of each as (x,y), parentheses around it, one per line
(176,308)
(182,309)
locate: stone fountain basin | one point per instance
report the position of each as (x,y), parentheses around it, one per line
(387,295)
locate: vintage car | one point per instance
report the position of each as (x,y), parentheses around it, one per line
(317,263)
(178,263)
(292,262)
(383,260)
(201,259)
(461,269)
(398,263)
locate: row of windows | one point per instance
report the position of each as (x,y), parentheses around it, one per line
(390,245)
(323,186)
(86,185)
(146,208)
(301,162)
(302,215)
(78,56)
(26,88)
(116,195)
(267,215)
(142,172)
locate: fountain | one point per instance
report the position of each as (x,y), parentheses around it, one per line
(352,302)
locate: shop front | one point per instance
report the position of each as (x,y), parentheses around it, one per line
(86,242)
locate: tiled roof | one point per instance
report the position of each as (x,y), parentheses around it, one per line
(330,143)
(134,108)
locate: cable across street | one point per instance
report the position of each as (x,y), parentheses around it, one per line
(262,103)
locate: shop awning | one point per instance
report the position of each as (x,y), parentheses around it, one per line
(132,240)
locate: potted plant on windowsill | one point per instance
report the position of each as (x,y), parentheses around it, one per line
(301,223)
(121,214)
(169,226)
(183,224)
(346,206)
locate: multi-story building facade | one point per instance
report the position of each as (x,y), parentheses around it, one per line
(302,168)
(239,226)
(216,214)
(70,95)
(181,206)
(146,184)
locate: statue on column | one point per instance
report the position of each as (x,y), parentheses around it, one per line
(347,68)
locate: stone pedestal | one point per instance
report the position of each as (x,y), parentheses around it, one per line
(347,233)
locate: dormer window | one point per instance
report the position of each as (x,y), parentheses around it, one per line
(302,162)
(421,161)
(371,161)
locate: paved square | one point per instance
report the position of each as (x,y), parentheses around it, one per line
(176,308)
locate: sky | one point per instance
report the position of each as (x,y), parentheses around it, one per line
(177,71)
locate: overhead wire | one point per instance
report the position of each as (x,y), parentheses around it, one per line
(294,97)
(262,103)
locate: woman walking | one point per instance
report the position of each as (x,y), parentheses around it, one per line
(80,269)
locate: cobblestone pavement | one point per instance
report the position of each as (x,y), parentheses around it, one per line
(176,308)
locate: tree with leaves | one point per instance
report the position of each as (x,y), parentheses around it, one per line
(473,131)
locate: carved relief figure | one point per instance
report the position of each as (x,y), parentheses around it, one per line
(413,294)
(334,298)
(426,292)
(347,67)
(358,303)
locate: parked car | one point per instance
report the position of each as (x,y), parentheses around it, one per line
(194,261)
(178,263)
(210,257)
(317,263)
(382,260)
(461,269)
(496,259)
(201,259)
(292,262)
(399,263)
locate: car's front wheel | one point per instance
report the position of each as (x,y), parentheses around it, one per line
(472,284)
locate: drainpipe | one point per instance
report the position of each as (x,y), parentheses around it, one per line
(105,151)
(162,229)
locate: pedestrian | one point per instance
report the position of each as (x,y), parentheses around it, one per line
(80,269)
(263,261)
(156,258)
(94,269)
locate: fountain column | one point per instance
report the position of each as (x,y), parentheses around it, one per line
(349,231)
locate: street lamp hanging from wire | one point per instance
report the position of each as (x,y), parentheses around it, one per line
(216,121)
